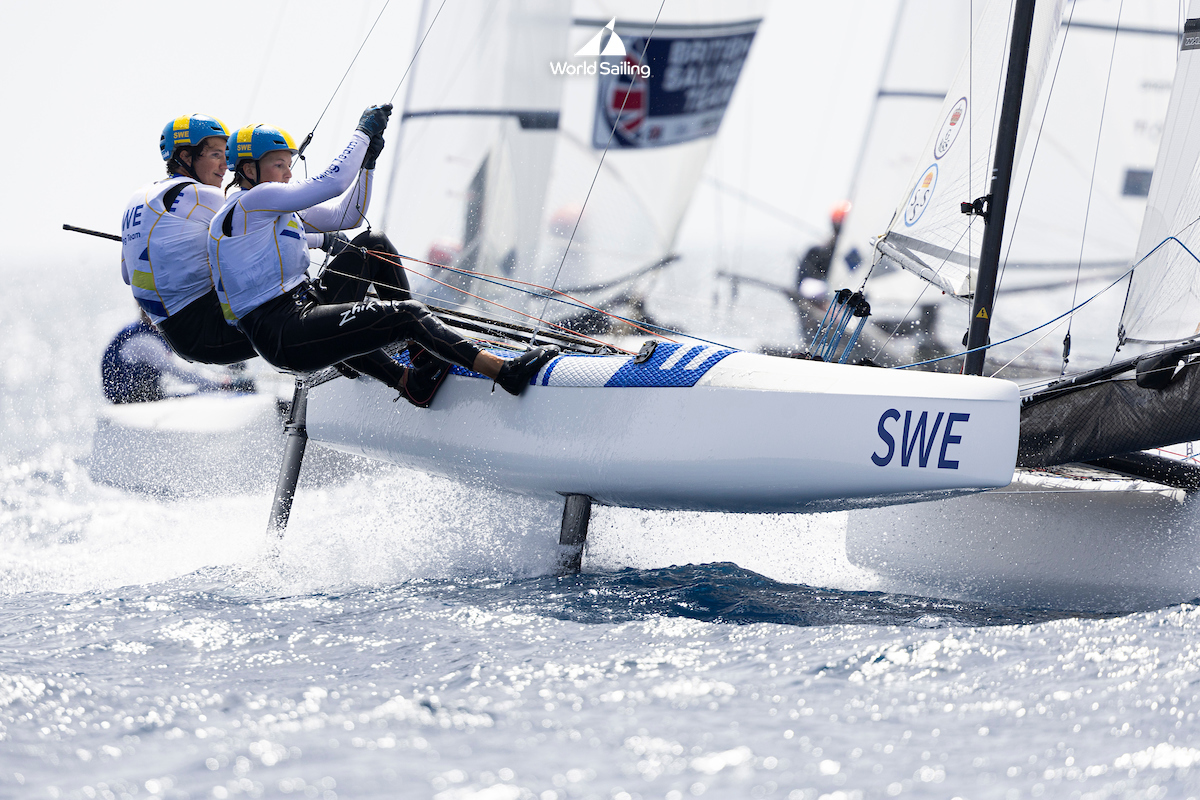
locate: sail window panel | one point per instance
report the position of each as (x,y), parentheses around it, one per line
(1137,182)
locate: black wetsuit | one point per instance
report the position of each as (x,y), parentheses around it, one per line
(199,332)
(316,326)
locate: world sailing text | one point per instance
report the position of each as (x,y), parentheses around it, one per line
(602,68)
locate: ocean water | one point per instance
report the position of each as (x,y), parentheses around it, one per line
(410,638)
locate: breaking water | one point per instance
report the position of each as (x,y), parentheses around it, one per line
(409,638)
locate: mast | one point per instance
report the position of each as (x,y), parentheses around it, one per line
(997,199)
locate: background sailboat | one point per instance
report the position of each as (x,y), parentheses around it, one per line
(1081,186)
(507,159)
(1084,536)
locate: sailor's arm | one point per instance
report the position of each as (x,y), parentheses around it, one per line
(284,198)
(345,212)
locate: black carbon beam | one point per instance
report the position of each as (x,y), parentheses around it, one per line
(577,512)
(293,457)
(90,232)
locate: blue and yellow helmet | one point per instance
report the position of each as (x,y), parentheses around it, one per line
(189,132)
(254,142)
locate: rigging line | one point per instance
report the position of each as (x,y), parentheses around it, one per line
(1125,305)
(270,49)
(919,296)
(417,51)
(307,139)
(1023,352)
(646,327)
(1033,156)
(500,281)
(1095,158)
(1122,277)
(903,320)
(599,167)
(477,297)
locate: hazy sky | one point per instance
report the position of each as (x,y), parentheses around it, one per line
(88,86)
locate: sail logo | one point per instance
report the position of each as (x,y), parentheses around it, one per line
(918,438)
(606,42)
(922,193)
(611,57)
(950,128)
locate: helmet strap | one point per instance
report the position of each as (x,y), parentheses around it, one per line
(187,168)
(241,171)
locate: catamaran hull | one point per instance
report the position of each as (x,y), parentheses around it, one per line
(1088,544)
(189,446)
(203,445)
(694,428)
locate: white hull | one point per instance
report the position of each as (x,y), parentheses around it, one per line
(188,446)
(1049,541)
(750,433)
(202,445)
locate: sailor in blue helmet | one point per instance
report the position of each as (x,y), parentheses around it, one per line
(258,254)
(164,235)
(137,366)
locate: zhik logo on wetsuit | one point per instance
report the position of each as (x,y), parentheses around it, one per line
(918,436)
(352,312)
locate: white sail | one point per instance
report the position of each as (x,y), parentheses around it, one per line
(1079,196)
(478,139)
(929,234)
(1163,303)
(634,138)
(928,42)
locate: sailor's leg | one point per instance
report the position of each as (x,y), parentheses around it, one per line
(316,336)
(323,334)
(371,259)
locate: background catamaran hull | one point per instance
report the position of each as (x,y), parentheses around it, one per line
(1088,545)
(754,434)
(189,446)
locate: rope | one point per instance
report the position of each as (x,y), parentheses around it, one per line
(416,52)
(307,139)
(504,283)
(477,297)
(1092,184)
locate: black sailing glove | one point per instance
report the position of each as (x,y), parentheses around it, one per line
(334,243)
(375,119)
(373,151)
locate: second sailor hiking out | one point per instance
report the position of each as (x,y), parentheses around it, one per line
(258,243)
(164,235)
